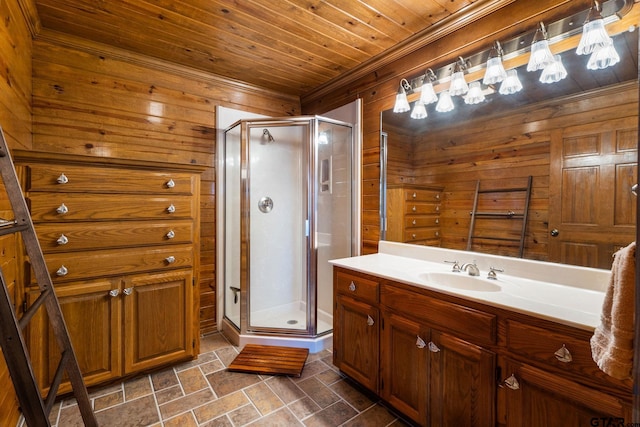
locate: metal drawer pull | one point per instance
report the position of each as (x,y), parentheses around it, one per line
(170,235)
(62,271)
(420,342)
(413,222)
(114,292)
(437,208)
(352,286)
(437,220)
(370,321)
(563,354)
(62,179)
(437,234)
(433,348)
(413,236)
(437,197)
(127,291)
(170,184)
(170,259)
(512,382)
(62,240)
(414,195)
(171,208)
(62,209)
(414,209)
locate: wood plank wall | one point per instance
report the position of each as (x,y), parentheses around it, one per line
(93,100)
(15,119)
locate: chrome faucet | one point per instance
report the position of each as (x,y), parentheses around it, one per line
(472,268)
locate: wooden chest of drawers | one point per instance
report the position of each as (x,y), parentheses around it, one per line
(121,241)
(413,214)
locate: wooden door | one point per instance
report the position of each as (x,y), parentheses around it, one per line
(404,358)
(93,316)
(158,319)
(462,388)
(356,341)
(592,211)
(539,398)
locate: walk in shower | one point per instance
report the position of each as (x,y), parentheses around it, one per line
(288,207)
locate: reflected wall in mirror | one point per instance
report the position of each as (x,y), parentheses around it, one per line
(577,139)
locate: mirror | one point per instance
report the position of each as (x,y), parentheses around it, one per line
(577,139)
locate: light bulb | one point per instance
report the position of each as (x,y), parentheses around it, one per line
(445,103)
(427,94)
(495,72)
(419,111)
(475,95)
(511,84)
(401,105)
(458,84)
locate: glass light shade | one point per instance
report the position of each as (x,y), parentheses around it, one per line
(495,72)
(427,94)
(445,103)
(603,57)
(553,72)
(511,84)
(475,95)
(419,111)
(594,35)
(401,105)
(458,84)
(541,56)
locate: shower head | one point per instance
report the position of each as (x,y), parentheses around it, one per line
(267,135)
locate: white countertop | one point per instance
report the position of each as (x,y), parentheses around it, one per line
(565,294)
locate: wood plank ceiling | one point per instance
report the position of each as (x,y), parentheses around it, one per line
(290,46)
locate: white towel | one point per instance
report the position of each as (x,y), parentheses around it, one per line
(612,341)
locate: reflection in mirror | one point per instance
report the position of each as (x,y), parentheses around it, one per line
(577,139)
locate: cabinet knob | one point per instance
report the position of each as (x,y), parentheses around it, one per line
(512,382)
(171,208)
(414,195)
(437,196)
(62,209)
(170,235)
(62,240)
(413,236)
(170,184)
(437,234)
(414,209)
(62,271)
(438,208)
(370,321)
(413,222)
(563,354)
(62,179)
(127,291)
(437,220)
(114,292)
(420,342)
(170,259)
(352,286)
(433,348)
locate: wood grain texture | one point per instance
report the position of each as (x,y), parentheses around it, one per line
(270,360)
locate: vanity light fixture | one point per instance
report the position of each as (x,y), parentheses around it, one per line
(419,111)
(475,95)
(594,34)
(402,105)
(553,72)
(511,84)
(541,55)
(603,57)
(428,94)
(495,72)
(445,103)
(458,83)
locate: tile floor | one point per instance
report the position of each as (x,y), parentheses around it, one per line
(203,393)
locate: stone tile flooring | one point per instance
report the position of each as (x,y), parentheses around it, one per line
(203,393)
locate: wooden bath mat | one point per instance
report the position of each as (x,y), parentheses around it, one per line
(270,360)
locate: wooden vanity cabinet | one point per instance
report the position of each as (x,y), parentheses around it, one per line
(120,241)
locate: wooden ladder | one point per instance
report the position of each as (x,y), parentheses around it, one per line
(35,409)
(501,215)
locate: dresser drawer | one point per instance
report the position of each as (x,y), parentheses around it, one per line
(421,208)
(91,179)
(357,287)
(421,221)
(84,265)
(74,236)
(422,195)
(550,347)
(478,326)
(97,207)
(421,234)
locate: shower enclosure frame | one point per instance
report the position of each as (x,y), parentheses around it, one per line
(313,165)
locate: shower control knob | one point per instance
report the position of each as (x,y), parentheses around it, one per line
(554,232)
(352,286)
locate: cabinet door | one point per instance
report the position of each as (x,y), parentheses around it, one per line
(158,319)
(537,398)
(462,386)
(356,343)
(404,358)
(93,317)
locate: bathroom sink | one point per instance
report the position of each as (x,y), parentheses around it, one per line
(460,281)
